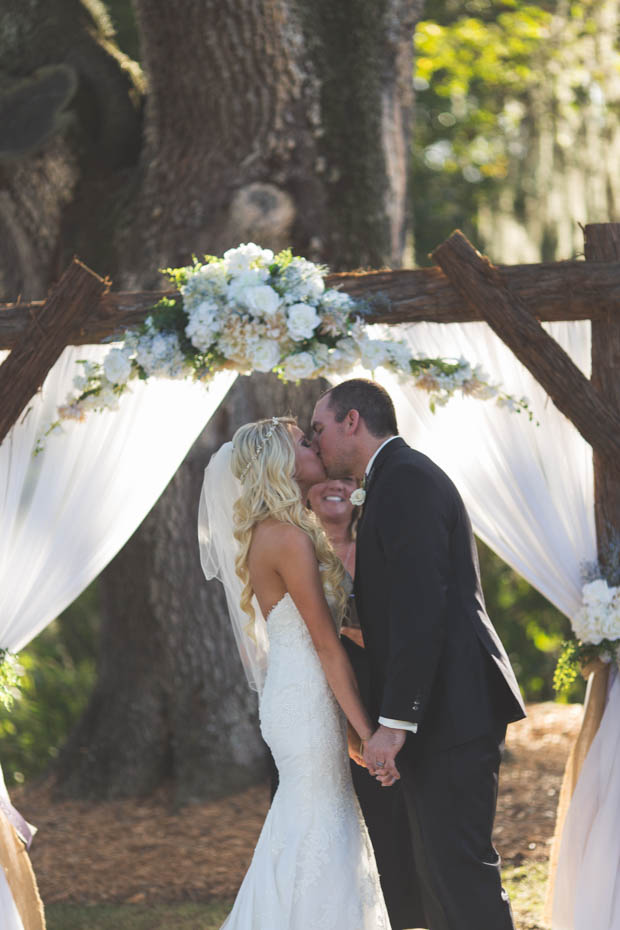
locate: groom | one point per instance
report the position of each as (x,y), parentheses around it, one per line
(443,689)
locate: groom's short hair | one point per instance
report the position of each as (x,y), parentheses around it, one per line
(372,402)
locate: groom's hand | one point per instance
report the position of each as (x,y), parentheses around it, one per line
(383,746)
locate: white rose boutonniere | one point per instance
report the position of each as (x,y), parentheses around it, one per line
(358,497)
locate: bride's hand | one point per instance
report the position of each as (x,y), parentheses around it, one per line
(354,743)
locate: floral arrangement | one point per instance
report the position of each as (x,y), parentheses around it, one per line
(596,626)
(255,311)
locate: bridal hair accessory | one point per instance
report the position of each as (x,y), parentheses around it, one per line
(261,446)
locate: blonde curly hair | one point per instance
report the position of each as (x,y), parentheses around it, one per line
(263,459)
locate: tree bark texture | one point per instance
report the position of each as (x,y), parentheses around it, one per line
(69,131)
(476,279)
(282,121)
(602,244)
(573,290)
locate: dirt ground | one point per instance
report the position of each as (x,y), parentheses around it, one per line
(139,851)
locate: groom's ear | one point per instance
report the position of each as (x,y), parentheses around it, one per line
(352,421)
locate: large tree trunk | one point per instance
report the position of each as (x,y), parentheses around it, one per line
(282,121)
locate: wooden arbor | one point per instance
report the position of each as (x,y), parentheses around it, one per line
(465,286)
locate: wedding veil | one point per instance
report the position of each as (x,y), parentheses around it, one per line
(218,550)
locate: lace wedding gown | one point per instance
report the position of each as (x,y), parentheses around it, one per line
(313,866)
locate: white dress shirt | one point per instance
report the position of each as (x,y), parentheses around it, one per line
(388,721)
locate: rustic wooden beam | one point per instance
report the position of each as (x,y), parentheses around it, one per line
(572,290)
(75,295)
(480,285)
(602,243)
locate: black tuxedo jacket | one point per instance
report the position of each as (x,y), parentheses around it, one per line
(435,657)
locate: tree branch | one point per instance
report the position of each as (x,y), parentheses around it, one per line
(480,285)
(42,342)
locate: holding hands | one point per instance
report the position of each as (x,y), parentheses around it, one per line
(380,751)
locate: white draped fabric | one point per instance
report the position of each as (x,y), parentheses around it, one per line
(9,915)
(67,512)
(587,887)
(528,489)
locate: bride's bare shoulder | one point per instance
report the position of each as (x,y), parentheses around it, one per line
(277,536)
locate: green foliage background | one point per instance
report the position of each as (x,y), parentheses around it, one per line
(59,673)
(490,77)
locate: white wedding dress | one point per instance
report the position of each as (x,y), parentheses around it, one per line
(313,866)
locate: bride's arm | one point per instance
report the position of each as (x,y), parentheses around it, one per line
(297,565)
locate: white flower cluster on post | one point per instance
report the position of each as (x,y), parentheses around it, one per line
(598,618)
(255,311)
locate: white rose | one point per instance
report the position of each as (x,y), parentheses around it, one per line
(302,321)
(358,497)
(117,366)
(266,355)
(260,300)
(299,366)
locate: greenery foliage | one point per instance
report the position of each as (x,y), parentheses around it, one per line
(490,77)
(58,676)
(532,630)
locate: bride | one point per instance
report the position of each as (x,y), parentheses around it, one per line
(313,866)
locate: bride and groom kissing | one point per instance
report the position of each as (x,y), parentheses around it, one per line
(442,690)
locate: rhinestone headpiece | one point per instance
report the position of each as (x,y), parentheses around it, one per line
(261,446)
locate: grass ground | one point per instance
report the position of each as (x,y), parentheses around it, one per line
(525,884)
(136,916)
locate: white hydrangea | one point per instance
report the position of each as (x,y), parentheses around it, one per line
(302,280)
(400,355)
(321,356)
(207,282)
(334,300)
(107,397)
(302,320)
(599,616)
(597,593)
(299,366)
(344,356)
(374,353)
(160,355)
(240,259)
(265,355)
(204,324)
(117,366)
